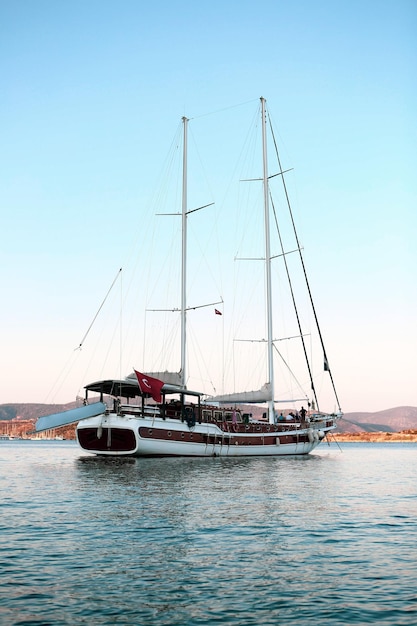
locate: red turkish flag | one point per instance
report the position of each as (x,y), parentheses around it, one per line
(150,385)
(217,312)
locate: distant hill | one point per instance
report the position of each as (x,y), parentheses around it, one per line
(31,411)
(390,420)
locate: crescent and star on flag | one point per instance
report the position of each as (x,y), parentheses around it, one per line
(148,384)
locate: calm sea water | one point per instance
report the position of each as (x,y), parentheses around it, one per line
(330,538)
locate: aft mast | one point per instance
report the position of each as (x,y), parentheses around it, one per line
(271,412)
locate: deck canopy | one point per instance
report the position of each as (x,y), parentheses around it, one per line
(129,388)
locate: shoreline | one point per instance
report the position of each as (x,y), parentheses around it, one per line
(379,437)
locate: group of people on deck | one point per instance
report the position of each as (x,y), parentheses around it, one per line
(296,415)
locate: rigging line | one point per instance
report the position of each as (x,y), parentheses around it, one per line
(326,361)
(295,304)
(96,315)
(61,378)
(290,371)
(189,308)
(121,328)
(198,352)
(329,434)
(232,106)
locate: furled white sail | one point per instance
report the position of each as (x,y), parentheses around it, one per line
(243,397)
(171,378)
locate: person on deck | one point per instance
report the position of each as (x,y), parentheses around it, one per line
(303,413)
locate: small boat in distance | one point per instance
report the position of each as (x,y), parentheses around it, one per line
(155,415)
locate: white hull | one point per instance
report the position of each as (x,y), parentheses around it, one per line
(115,435)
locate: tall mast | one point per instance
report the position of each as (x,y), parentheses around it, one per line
(268,267)
(184,256)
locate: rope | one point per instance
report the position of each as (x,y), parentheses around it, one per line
(295,304)
(96,315)
(326,361)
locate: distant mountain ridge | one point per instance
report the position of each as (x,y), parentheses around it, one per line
(390,420)
(31,411)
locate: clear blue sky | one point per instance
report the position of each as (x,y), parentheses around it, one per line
(91,94)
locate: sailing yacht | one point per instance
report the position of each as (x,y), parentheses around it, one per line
(156,415)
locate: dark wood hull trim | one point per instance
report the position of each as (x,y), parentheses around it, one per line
(227,439)
(127,441)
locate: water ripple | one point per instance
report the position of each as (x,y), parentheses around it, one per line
(328,538)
